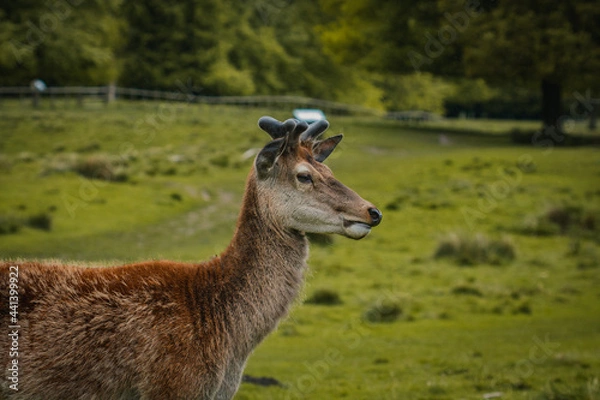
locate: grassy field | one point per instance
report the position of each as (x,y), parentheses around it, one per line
(482,281)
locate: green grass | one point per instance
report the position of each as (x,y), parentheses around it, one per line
(527,327)
(498,126)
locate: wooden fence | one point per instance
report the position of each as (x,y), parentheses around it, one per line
(107,94)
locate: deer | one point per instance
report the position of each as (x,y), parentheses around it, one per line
(161,330)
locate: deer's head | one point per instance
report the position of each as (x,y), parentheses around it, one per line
(300,191)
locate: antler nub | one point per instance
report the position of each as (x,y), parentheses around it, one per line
(288,135)
(302,129)
(275,128)
(315,130)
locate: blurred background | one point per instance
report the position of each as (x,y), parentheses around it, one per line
(495,59)
(127,130)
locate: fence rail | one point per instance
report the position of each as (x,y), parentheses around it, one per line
(111,93)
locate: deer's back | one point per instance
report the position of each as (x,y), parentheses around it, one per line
(115,331)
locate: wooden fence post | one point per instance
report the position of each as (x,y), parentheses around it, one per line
(35,98)
(111,93)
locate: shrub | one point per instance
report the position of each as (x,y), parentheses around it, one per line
(176,196)
(102,168)
(563,219)
(383,311)
(120,174)
(538,226)
(10,224)
(41,221)
(500,251)
(170,171)
(522,308)
(564,216)
(467,290)
(95,167)
(220,161)
(326,297)
(477,249)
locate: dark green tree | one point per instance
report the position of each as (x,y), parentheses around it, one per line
(540,43)
(296,56)
(531,43)
(230,48)
(63,42)
(169,44)
(389,39)
(377,35)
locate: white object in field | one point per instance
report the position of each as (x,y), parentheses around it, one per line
(309,115)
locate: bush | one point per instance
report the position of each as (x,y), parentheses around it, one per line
(522,308)
(467,290)
(326,297)
(10,224)
(501,251)
(102,168)
(176,196)
(221,161)
(41,221)
(383,311)
(538,226)
(477,249)
(563,219)
(95,167)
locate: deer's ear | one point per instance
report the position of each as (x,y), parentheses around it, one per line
(322,149)
(265,160)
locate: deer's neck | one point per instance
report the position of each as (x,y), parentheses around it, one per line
(263,269)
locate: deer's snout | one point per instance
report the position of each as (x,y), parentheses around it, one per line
(375,215)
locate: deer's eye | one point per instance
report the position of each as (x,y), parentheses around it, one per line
(303,177)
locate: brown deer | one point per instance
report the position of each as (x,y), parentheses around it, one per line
(166,330)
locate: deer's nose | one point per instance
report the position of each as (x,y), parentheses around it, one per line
(375,215)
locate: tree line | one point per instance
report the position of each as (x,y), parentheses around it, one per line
(395,54)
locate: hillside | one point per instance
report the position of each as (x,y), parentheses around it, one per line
(481,282)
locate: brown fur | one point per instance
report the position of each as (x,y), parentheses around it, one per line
(158,329)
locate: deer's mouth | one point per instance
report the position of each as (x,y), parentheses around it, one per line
(356,229)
